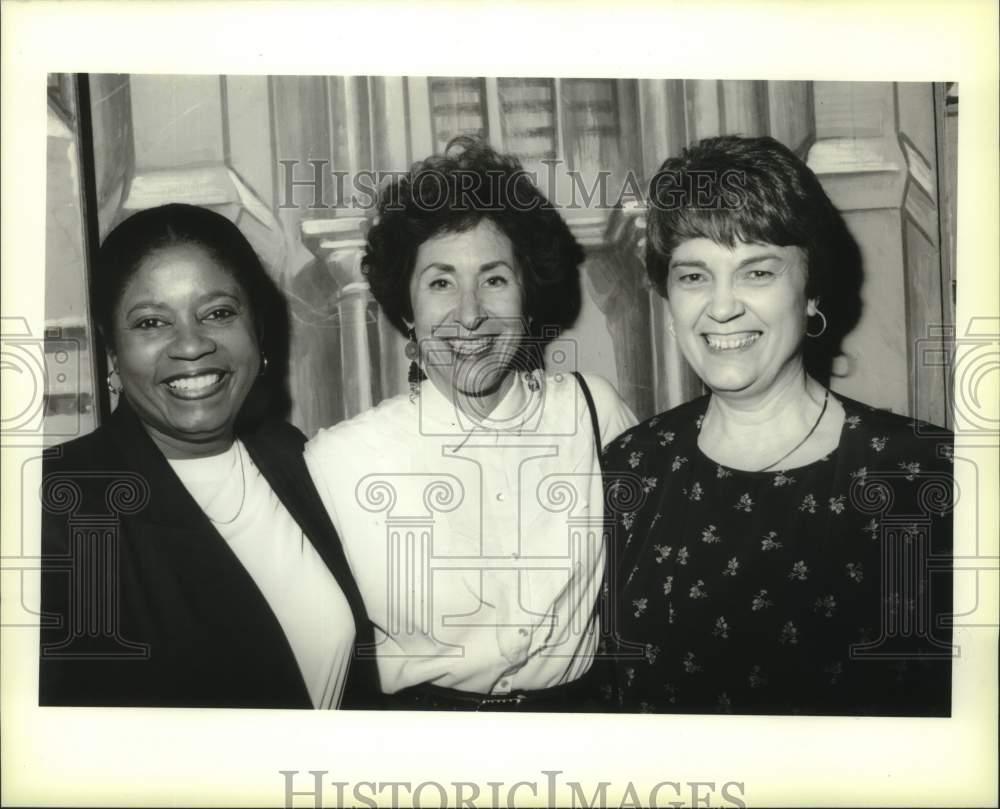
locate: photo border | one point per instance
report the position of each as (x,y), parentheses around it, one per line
(119,757)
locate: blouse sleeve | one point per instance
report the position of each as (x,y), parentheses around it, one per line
(321,455)
(613,416)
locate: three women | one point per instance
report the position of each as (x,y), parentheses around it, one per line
(784,549)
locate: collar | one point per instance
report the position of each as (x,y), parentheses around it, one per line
(519,411)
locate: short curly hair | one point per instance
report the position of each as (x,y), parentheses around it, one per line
(454,192)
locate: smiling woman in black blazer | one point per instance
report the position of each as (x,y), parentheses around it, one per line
(188,560)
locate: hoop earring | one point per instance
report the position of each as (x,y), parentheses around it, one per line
(822,330)
(114,391)
(413,375)
(263,364)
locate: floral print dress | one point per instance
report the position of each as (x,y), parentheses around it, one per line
(824,589)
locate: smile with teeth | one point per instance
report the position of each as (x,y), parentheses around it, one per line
(469,347)
(195,384)
(731,342)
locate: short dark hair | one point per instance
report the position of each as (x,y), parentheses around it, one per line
(152,230)
(758,190)
(454,192)
(747,189)
(149,231)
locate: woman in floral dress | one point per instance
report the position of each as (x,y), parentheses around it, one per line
(777,548)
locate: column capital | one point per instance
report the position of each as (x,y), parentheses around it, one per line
(339,242)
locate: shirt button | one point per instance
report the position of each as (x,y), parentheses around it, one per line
(501,496)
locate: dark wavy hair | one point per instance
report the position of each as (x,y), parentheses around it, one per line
(454,192)
(152,230)
(731,189)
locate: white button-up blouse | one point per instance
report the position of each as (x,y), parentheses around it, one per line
(477,546)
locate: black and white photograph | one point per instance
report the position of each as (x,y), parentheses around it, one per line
(576,411)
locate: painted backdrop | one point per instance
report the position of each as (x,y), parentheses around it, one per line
(293,161)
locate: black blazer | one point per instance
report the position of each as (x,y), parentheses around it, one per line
(143,602)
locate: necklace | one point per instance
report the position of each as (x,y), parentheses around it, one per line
(243,495)
(826,400)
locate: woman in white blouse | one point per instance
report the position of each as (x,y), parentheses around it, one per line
(471,509)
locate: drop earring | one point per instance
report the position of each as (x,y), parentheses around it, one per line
(535,360)
(413,376)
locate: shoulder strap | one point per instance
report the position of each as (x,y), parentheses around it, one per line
(593,411)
